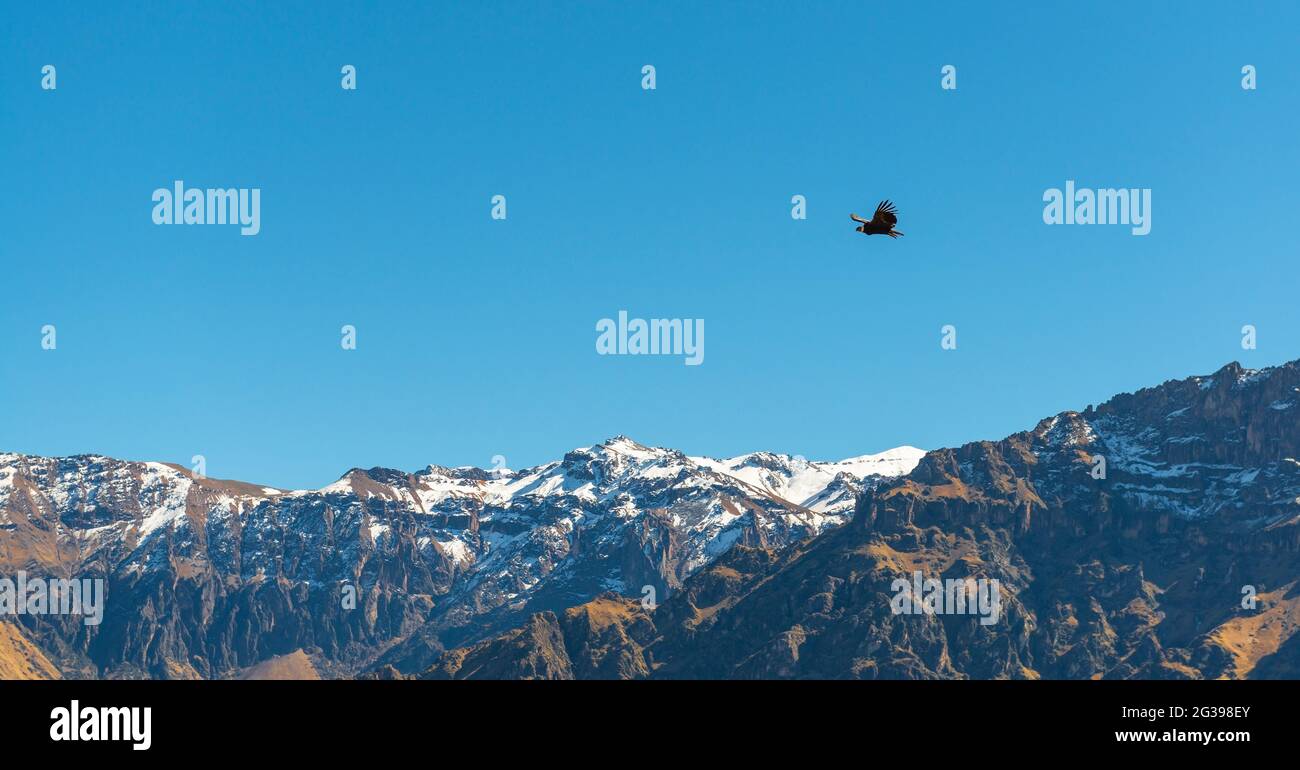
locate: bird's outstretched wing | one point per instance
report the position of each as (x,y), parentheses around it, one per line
(857,218)
(886,215)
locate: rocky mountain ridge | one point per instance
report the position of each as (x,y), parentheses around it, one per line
(1154,536)
(208,578)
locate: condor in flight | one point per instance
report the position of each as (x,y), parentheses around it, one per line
(882,223)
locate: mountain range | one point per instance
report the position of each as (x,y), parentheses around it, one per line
(208,578)
(1152,536)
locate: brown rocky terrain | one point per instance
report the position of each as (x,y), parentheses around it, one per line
(1144,571)
(296,665)
(20,658)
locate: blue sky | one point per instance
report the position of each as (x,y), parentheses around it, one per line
(477,337)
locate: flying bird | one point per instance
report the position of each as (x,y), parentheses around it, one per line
(882,223)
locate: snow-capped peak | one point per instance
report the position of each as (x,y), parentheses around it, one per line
(826,487)
(811,483)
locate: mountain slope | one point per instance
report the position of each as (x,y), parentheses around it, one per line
(1145,571)
(20,658)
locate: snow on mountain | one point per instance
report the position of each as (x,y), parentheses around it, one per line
(607,474)
(1192,448)
(812,484)
(459,552)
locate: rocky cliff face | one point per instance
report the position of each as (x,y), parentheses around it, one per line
(1155,536)
(208,578)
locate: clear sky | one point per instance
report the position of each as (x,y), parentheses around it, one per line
(476,337)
